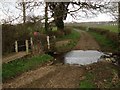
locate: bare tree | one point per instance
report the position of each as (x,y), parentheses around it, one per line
(24,11)
(60,10)
(7,9)
(34,19)
(119,20)
(25,5)
(119,37)
(46,17)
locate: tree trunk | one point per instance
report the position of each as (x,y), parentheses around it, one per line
(119,27)
(119,39)
(46,17)
(59,23)
(24,12)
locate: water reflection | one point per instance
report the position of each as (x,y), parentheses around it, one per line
(82,57)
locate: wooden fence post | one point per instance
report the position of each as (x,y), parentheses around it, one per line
(32,47)
(48,42)
(16,46)
(54,37)
(26,42)
(31,42)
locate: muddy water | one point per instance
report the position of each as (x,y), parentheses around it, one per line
(82,57)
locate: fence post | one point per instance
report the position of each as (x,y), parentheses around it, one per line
(26,42)
(31,42)
(48,42)
(16,46)
(54,37)
(32,47)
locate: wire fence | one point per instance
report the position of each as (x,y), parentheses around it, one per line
(29,44)
(23,45)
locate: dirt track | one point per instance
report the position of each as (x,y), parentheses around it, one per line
(86,42)
(55,76)
(64,76)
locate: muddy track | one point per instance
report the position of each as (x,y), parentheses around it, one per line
(64,76)
(55,76)
(86,42)
(28,77)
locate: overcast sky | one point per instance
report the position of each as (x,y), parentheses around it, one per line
(13,12)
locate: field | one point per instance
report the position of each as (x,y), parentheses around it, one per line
(108,27)
(112,28)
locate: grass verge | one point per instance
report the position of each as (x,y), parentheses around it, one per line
(73,37)
(105,43)
(87,83)
(100,75)
(19,66)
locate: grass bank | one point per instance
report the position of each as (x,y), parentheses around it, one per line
(19,66)
(105,43)
(73,39)
(74,35)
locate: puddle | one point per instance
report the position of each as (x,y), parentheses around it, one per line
(82,57)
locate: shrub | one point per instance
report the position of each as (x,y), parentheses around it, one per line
(99,30)
(58,33)
(43,38)
(8,38)
(67,31)
(82,27)
(50,32)
(11,33)
(113,36)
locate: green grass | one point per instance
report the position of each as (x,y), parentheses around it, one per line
(74,37)
(108,27)
(105,43)
(111,28)
(67,47)
(87,83)
(21,65)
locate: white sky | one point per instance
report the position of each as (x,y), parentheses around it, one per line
(99,18)
(15,13)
